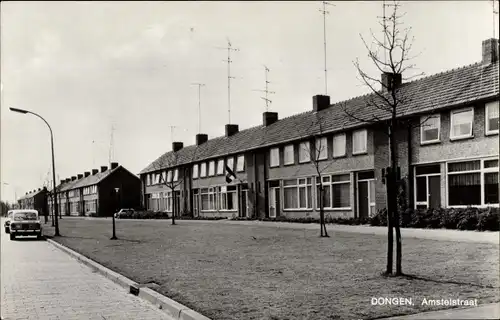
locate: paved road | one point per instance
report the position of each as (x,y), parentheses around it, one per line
(38,281)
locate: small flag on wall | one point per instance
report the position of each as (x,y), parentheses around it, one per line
(230,176)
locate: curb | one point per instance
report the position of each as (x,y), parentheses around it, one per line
(170,307)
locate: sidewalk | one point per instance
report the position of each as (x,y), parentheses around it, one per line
(487,311)
(39,281)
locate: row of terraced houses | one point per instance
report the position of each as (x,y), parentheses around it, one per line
(448,157)
(449,161)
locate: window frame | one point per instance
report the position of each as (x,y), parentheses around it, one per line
(195,169)
(220,167)
(222,198)
(365,142)
(211,168)
(482,171)
(318,149)
(274,153)
(305,150)
(203,170)
(343,134)
(240,163)
(292,161)
(464,136)
(422,129)
(330,184)
(307,185)
(487,120)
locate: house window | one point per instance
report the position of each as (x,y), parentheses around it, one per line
(473,183)
(203,169)
(240,164)
(297,193)
(430,129)
(230,163)
(288,154)
(461,123)
(211,168)
(304,152)
(220,167)
(207,199)
(491,117)
(227,198)
(274,158)
(339,142)
(359,139)
(176,174)
(336,192)
(428,186)
(195,171)
(169,176)
(321,148)
(148,180)
(168,201)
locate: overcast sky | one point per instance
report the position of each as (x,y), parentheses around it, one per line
(87,65)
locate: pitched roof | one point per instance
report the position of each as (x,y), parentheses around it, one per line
(32,194)
(454,87)
(87,181)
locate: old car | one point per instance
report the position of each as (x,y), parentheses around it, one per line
(123,212)
(7,221)
(25,223)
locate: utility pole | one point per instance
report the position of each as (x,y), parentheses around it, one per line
(199,103)
(111,145)
(495,12)
(325,12)
(266,98)
(229,48)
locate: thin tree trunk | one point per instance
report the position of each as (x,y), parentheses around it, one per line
(173,206)
(394,195)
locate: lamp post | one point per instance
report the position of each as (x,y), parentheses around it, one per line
(56,233)
(114,230)
(15,192)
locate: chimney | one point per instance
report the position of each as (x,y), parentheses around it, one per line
(73,178)
(320,102)
(104,168)
(68,179)
(80,176)
(490,51)
(391,81)
(268,118)
(201,138)
(114,165)
(63,181)
(39,189)
(94,171)
(86,174)
(176,146)
(231,129)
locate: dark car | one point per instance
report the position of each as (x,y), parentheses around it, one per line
(25,223)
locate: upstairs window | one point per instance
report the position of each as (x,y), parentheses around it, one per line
(359,141)
(203,169)
(321,151)
(430,129)
(274,157)
(461,123)
(176,174)
(288,154)
(304,152)
(211,168)
(491,117)
(230,163)
(240,164)
(339,141)
(220,167)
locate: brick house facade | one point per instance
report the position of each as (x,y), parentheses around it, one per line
(448,158)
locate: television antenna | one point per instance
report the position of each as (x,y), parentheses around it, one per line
(229,49)
(325,12)
(199,103)
(266,98)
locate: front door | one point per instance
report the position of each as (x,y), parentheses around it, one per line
(274,202)
(434,192)
(363,201)
(195,204)
(244,209)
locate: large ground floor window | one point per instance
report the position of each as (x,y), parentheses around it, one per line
(336,191)
(297,193)
(473,183)
(90,206)
(227,197)
(208,199)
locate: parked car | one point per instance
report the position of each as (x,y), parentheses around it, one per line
(7,221)
(123,212)
(25,223)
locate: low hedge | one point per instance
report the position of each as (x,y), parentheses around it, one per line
(161,215)
(480,219)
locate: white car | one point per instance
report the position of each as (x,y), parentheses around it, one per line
(7,221)
(25,223)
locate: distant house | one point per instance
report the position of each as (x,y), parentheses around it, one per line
(94,193)
(36,199)
(450,162)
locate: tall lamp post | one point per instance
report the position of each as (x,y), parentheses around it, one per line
(15,192)
(56,209)
(114,230)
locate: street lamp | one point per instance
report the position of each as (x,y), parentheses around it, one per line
(15,192)
(114,230)
(53,165)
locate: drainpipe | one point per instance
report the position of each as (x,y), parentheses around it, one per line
(410,171)
(255,186)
